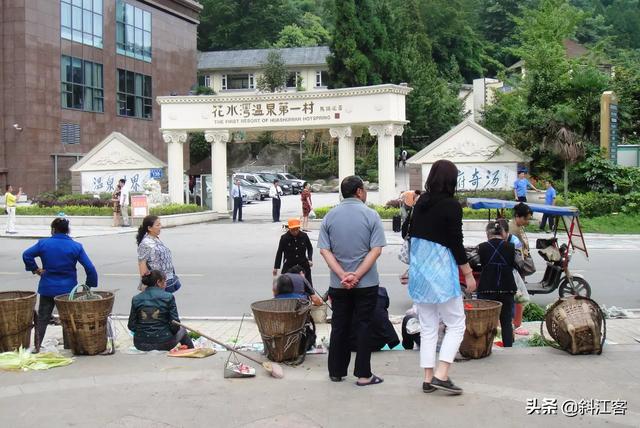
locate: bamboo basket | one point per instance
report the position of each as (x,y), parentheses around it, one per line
(281,326)
(482,325)
(85,321)
(16,319)
(577,324)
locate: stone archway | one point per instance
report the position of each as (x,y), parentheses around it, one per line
(345,112)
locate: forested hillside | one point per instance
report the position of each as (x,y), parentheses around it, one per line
(435,45)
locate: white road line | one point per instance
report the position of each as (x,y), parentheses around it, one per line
(11,273)
(137,274)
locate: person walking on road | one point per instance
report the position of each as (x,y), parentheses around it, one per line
(351,240)
(10,201)
(436,256)
(124,202)
(296,248)
(236,194)
(59,255)
(154,255)
(307,206)
(115,202)
(274,193)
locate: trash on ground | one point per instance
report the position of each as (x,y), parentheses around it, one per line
(24,360)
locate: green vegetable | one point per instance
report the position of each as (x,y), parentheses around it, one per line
(538,340)
(22,359)
(533,312)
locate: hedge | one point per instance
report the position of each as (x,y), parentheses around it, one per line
(595,204)
(73,210)
(388,213)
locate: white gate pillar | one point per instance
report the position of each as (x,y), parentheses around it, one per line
(175,162)
(346,149)
(386,159)
(218,140)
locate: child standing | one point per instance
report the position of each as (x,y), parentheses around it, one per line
(497,258)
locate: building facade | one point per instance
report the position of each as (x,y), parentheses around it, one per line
(74,71)
(239,70)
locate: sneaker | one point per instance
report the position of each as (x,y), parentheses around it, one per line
(427,387)
(446,385)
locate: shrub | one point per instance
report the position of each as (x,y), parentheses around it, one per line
(67,209)
(493,194)
(175,209)
(387,212)
(592,204)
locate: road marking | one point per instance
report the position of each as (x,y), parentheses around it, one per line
(137,274)
(11,273)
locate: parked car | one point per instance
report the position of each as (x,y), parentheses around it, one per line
(262,192)
(269,176)
(295,181)
(254,179)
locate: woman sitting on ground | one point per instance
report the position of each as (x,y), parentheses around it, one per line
(152,313)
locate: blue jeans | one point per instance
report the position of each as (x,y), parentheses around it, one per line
(173,284)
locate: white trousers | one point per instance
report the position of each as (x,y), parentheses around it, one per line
(11,219)
(451,313)
(124,211)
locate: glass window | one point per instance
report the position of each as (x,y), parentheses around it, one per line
(81,84)
(133,31)
(238,81)
(292,80)
(81,21)
(134,95)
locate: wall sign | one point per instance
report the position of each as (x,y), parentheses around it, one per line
(483,176)
(106,181)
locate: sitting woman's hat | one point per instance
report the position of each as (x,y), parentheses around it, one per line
(293,223)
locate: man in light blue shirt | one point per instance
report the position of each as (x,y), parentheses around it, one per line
(549,199)
(351,240)
(520,187)
(236,194)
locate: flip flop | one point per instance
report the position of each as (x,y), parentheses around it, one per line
(373,381)
(521,331)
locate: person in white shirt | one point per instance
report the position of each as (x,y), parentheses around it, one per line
(124,202)
(236,194)
(274,193)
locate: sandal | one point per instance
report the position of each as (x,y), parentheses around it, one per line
(521,331)
(373,381)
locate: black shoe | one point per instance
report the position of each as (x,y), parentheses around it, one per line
(335,378)
(427,387)
(446,385)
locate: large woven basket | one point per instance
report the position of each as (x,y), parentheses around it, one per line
(281,326)
(482,325)
(577,324)
(85,321)
(16,319)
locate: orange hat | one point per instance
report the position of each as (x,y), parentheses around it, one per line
(293,223)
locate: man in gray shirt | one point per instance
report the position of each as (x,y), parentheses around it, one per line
(351,240)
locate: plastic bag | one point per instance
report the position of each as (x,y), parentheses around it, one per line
(522,295)
(312,214)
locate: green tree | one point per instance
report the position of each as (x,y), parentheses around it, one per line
(309,31)
(275,74)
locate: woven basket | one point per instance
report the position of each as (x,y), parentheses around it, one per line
(577,324)
(482,325)
(16,319)
(85,321)
(281,326)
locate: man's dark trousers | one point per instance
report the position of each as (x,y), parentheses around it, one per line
(237,208)
(275,208)
(347,304)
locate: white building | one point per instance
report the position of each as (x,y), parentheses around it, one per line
(239,70)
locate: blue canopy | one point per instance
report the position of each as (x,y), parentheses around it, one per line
(497,204)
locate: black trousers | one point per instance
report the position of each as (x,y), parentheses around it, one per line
(45,309)
(522,199)
(181,337)
(506,314)
(547,218)
(275,208)
(358,303)
(237,208)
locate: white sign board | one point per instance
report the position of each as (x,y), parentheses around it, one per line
(106,181)
(482,176)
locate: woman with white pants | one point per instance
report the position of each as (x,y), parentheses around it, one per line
(436,254)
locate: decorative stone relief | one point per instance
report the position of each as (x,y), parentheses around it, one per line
(466,149)
(116,158)
(345,132)
(389,130)
(216,136)
(174,136)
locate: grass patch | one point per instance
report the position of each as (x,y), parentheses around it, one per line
(612,223)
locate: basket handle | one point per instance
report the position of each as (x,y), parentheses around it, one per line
(85,288)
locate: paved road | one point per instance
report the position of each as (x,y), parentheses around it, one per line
(226,266)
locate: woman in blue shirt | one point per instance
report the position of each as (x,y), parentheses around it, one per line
(59,256)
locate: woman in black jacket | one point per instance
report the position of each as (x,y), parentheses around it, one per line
(497,257)
(151,316)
